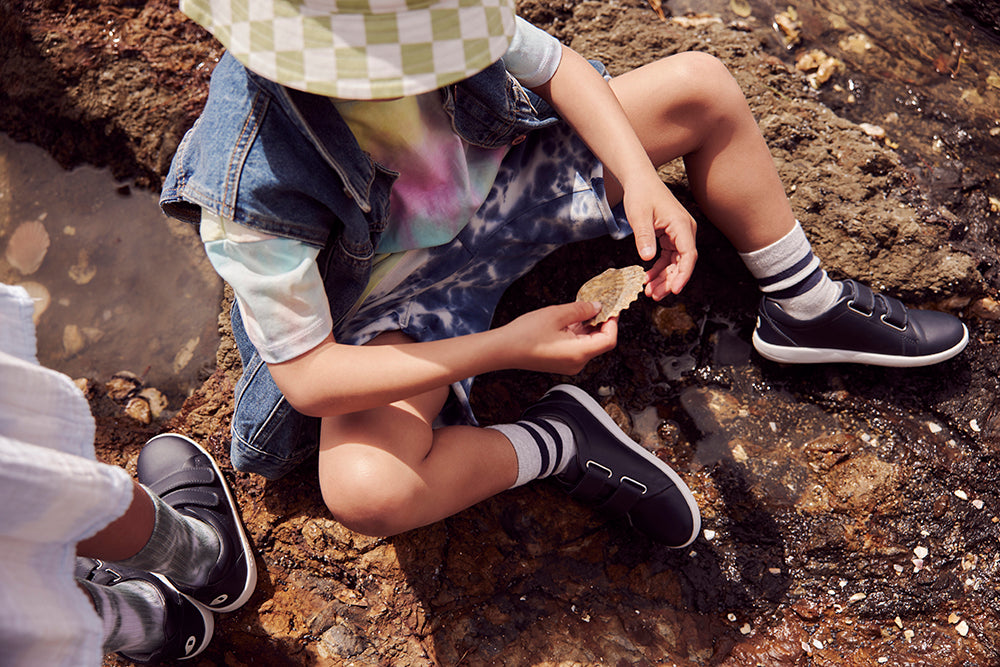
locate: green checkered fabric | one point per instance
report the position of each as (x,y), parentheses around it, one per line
(360,49)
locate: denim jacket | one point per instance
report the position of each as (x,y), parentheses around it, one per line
(284,161)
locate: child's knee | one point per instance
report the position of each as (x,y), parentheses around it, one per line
(365,497)
(707,78)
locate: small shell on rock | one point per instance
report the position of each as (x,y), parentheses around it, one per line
(157,401)
(123,385)
(85,386)
(138,409)
(873,131)
(615,289)
(27,247)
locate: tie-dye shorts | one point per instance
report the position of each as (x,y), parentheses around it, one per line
(549,192)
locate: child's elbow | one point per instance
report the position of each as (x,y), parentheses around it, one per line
(301,395)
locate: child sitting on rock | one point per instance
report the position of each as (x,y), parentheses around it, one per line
(370,178)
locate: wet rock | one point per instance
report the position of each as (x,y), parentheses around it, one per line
(984,11)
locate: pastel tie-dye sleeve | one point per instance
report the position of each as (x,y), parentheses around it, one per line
(277,285)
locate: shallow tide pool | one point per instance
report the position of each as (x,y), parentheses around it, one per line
(118,286)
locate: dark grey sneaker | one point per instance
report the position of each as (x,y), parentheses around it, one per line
(862,328)
(616,475)
(188,626)
(188,479)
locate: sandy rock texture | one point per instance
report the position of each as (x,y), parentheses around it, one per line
(850,514)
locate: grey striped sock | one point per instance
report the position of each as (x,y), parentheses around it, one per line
(132,613)
(543,447)
(181,548)
(788,272)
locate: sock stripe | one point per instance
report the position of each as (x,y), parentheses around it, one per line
(800,287)
(788,272)
(556,439)
(791,275)
(543,449)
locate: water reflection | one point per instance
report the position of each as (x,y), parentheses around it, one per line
(924,78)
(128,289)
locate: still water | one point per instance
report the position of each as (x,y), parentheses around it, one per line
(118,286)
(923,75)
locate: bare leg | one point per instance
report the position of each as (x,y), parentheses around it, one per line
(689,106)
(385,471)
(126,535)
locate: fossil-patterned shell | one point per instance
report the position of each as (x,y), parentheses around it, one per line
(615,289)
(27,246)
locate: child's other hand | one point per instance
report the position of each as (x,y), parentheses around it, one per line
(657,217)
(556,340)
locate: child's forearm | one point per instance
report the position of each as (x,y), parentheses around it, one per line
(336,379)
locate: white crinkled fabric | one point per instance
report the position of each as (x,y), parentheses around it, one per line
(53,493)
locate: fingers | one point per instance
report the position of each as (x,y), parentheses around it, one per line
(670,273)
(576,312)
(645,241)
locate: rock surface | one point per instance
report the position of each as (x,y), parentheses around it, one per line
(850,514)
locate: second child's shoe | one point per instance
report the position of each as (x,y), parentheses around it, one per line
(862,328)
(188,479)
(616,475)
(188,626)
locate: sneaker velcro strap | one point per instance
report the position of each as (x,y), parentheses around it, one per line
(624,498)
(190,483)
(863,300)
(595,482)
(895,312)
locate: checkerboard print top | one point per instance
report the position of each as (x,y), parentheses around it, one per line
(360,49)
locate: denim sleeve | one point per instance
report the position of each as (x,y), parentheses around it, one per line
(277,285)
(533,55)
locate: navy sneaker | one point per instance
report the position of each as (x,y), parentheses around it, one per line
(862,328)
(188,479)
(617,476)
(188,626)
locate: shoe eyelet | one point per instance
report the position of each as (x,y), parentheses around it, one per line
(607,471)
(636,483)
(890,324)
(850,304)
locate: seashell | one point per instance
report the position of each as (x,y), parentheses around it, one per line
(156,400)
(615,289)
(123,385)
(40,295)
(27,246)
(138,409)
